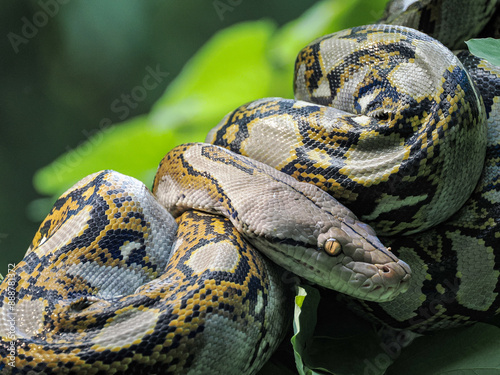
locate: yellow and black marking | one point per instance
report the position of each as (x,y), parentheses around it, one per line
(450,286)
(215,289)
(391,155)
(193,179)
(90,224)
(461,281)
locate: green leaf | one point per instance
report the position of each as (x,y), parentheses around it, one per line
(238,64)
(133,148)
(228,71)
(347,356)
(487,48)
(330,339)
(304,321)
(462,351)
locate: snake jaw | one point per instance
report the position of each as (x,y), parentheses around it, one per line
(385,280)
(350,271)
(296,224)
(368,270)
(393,276)
(378,282)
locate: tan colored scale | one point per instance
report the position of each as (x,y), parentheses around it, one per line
(131,325)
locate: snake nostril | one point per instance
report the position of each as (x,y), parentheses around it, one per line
(385,269)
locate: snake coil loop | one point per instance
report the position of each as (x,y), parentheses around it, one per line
(386,120)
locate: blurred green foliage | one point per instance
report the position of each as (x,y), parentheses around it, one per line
(244,62)
(228,70)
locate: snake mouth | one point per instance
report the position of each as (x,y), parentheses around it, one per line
(379,282)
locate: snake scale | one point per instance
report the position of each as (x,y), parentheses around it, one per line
(386,121)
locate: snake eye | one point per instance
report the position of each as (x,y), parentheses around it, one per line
(332,247)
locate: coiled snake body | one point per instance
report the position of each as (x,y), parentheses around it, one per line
(112,283)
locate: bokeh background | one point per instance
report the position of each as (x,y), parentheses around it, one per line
(73,72)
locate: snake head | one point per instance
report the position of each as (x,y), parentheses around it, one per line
(296,224)
(348,258)
(361,265)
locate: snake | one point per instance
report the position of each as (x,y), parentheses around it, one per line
(379,181)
